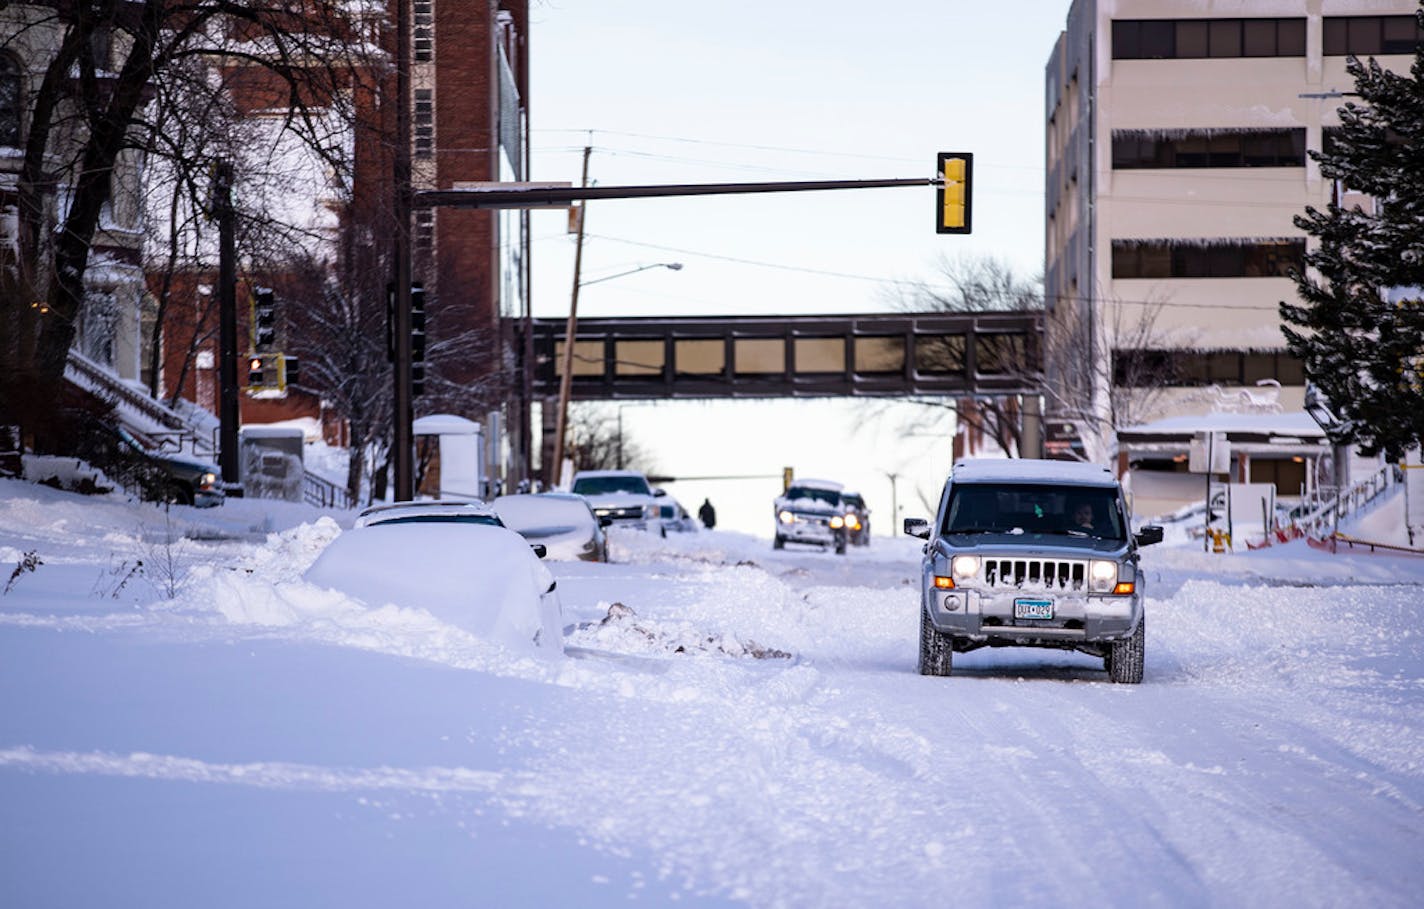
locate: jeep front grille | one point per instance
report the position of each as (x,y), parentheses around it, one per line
(1046,574)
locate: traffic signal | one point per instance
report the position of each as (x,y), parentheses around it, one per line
(953,208)
(270,371)
(417,339)
(264,319)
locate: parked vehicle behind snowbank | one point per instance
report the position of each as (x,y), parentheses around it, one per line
(479,577)
(563,523)
(1033,554)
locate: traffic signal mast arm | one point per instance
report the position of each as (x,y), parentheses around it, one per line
(497,195)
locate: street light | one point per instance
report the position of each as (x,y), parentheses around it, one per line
(571,332)
(674,266)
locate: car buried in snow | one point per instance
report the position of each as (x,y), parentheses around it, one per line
(478,576)
(1032,553)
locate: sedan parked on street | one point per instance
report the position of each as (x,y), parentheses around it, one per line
(562,523)
(482,578)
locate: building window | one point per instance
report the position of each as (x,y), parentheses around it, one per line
(1288,475)
(1366,36)
(1137,150)
(423,30)
(10,105)
(1206,259)
(424,232)
(1145,368)
(423,121)
(1182,39)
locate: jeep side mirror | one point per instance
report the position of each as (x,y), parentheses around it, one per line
(659,491)
(1148,535)
(540,550)
(917,527)
(605,521)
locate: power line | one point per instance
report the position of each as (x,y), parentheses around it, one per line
(922,285)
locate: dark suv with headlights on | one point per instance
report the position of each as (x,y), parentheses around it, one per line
(1032,553)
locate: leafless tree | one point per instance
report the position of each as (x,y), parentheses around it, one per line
(1105,368)
(597,442)
(975,284)
(89,119)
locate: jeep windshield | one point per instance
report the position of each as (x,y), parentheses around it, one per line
(602,486)
(1025,508)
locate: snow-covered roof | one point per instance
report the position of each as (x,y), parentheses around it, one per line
(818,484)
(1295,423)
(444,424)
(1030,470)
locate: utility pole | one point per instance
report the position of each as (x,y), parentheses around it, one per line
(566,380)
(404,438)
(229,415)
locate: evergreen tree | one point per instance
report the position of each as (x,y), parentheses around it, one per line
(1358,331)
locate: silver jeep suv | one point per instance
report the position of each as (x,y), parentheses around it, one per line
(1034,554)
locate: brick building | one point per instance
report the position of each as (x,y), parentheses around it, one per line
(469,124)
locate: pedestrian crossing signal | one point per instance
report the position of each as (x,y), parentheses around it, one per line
(953,206)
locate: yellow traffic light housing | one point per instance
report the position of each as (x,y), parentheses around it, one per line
(954,207)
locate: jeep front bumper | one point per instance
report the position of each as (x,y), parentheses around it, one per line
(1076,618)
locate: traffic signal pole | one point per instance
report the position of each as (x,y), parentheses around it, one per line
(403,455)
(545,195)
(229,415)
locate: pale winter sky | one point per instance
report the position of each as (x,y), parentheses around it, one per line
(742,91)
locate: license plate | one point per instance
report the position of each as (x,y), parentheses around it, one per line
(1033,609)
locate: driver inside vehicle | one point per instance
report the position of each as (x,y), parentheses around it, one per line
(1083,517)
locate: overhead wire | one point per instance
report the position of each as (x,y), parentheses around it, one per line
(898,282)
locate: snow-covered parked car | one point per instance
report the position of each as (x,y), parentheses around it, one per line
(810,511)
(480,577)
(429,512)
(625,496)
(562,523)
(1035,554)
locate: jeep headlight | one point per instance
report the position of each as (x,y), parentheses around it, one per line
(650,511)
(207,480)
(837,522)
(852,521)
(1102,575)
(786,517)
(964,567)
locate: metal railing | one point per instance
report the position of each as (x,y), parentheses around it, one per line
(1333,509)
(323,493)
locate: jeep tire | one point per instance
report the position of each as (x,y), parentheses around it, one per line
(936,648)
(1124,658)
(779,542)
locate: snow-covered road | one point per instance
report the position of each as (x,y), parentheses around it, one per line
(750,730)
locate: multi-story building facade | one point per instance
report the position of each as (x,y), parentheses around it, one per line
(469,82)
(1177,139)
